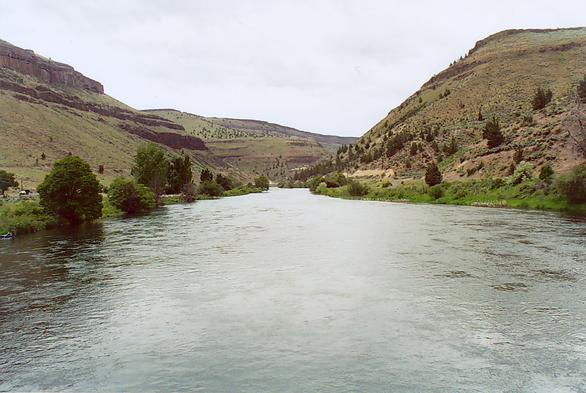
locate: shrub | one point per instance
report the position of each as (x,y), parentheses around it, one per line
(71,191)
(262,182)
(433,175)
(546,173)
(573,185)
(451,147)
(335,180)
(541,98)
(518,155)
(130,197)
(355,188)
(7,180)
(210,188)
(581,89)
(23,217)
(522,173)
(206,175)
(226,182)
(436,192)
(492,133)
(179,174)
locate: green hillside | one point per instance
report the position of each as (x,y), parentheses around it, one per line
(444,120)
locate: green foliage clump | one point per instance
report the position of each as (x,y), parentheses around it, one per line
(7,180)
(71,191)
(150,168)
(210,188)
(179,174)
(522,172)
(226,182)
(24,217)
(335,180)
(436,192)
(262,182)
(130,197)
(541,98)
(581,90)
(356,188)
(450,147)
(573,185)
(206,175)
(546,173)
(492,133)
(433,175)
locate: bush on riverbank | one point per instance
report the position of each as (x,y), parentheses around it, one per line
(131,197)
(531,193)
(24,217)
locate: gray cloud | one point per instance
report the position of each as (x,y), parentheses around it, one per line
(334,66)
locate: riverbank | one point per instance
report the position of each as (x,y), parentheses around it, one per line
(534,195)
(25,217)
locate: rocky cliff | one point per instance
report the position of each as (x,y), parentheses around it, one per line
(26,62)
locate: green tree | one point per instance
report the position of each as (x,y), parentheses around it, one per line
(131,197)
(433,175)
(150,168)
(262,182)
(492,133)
(7,180)
(179,174)
(206,175)
(71,191)
(210,188)
(582,90)
(541,98)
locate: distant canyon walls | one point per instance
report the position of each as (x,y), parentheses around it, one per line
(26,62)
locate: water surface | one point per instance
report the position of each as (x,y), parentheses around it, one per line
(290,292)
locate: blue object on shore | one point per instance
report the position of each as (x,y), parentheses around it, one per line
(7,236)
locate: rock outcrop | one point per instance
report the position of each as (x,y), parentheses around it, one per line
(51,72)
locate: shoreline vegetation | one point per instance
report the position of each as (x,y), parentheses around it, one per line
(71,193)
(521,190)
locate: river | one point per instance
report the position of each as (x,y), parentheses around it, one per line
(289,292)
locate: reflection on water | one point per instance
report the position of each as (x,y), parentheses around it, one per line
(287,291)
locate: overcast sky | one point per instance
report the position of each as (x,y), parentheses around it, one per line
(324,66)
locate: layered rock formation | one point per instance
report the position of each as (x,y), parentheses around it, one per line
(27,62)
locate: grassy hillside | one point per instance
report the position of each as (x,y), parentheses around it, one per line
(255,146)
(444,120)
(48,110)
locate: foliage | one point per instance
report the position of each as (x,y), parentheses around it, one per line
(224,181)
(357,189)
(433,175)
(522,172)
(335,180)
(546,173)
(71,191)
(210,188)
(262,182)
(518,155)
(150,168)
(541,98)
(492,133)
(7,180)
(179,174)
(130,197)
(573,185)
(206,175)
(581,90)
(451,147)
(436,191)
(24,217)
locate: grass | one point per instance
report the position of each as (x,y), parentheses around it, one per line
(531,194)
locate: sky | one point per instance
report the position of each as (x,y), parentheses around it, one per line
(329,66)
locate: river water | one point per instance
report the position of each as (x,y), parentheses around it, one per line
(290,292)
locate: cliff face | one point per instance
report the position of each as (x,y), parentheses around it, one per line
(27,62)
